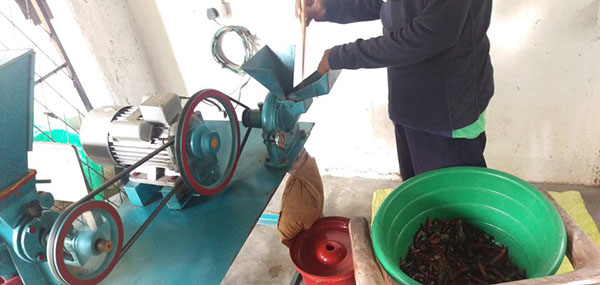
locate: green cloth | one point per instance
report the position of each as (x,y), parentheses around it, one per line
(471,131)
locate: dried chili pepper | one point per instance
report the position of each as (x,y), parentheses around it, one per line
(454,252)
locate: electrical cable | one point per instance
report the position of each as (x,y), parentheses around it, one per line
(239,90)
(248,40)
(237,102)
(215,20)
(50,114)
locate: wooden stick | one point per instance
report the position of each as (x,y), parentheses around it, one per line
(303,19)
(366,267)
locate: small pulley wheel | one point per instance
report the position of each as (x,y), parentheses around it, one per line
(207,148)
(85,243)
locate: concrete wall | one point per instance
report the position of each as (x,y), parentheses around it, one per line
(116,47)
(352,136)
(157,45)
(544,120)
(542,123)
(132,60)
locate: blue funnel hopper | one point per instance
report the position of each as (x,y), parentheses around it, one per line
(279,114)
(274,70)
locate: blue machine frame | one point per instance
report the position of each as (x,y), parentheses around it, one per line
(279,114)
(25,214)
(205,236)
(198,244)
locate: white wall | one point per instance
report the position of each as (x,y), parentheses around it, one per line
(542,122)
(94,76)
(55,91)
(118,51)
(352,136)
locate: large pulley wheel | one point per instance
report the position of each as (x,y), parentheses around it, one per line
(207,148)
(85,243)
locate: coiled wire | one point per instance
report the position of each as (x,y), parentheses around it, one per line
(248,40)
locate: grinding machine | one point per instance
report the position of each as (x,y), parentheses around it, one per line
(190,150)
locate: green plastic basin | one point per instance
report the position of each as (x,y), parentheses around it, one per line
(508,208)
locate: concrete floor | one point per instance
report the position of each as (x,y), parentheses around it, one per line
(264,260)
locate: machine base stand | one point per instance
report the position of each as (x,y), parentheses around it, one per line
(141,194)
(292,152)
(179,200)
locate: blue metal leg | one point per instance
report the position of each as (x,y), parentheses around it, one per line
(7,268)
(268,219)
(208,234)
(179,200)
(141,194)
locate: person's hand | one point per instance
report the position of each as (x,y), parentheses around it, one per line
(315,10)
(324,64)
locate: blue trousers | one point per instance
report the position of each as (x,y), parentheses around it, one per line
(420,151)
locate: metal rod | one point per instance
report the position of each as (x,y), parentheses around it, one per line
(28,38)
(178,186)
(62,96)
(57,69)
(43,15)
(50,112)
(245,139)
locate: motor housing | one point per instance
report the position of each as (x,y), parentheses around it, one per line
(122,135)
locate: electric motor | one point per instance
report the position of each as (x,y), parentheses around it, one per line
(205,152)
(125,134)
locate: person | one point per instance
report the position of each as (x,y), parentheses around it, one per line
(440,76)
